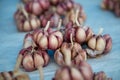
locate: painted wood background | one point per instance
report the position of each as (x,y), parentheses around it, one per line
(11,40)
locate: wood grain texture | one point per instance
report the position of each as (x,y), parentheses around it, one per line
(11,40)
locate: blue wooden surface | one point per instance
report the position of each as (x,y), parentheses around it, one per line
(11,40)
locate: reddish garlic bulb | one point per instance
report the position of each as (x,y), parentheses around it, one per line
(80,34)
(31,59)
(47,38)
(64,7)
(11,75)
(82,72)
(26,22)
(36,7)
(52,17)
(101,76)
(69,54)
(112,5)
(99,44)
(75,13)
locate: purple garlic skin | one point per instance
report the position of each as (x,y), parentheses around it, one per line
(108,46)
(24,24)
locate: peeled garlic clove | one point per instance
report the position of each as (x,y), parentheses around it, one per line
(80,35)
(92,42)
(100,44)
(28,63)
(53,42)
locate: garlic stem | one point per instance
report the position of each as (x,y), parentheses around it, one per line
(100,31)
(47,26)
(24,11)
(59,24)
(76,16)
(41,72)
(68,58)
(73,15)
(71,39)
(19,60)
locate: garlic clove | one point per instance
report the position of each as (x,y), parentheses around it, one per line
(34,24)
(46,57)
(100,76)
(86,70)
(58,56)
(38,60)
(80,35)
(6,76)
(64,75)
(43,42)
(1,77)
(76,75)
(83,54)
(38,36)
(27,40)
(36,8)
(77,47)
(21,77)
(89,33)
(100,44)
(108,46)
(28,63)
(26,26)
(92,43)
(53,42)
